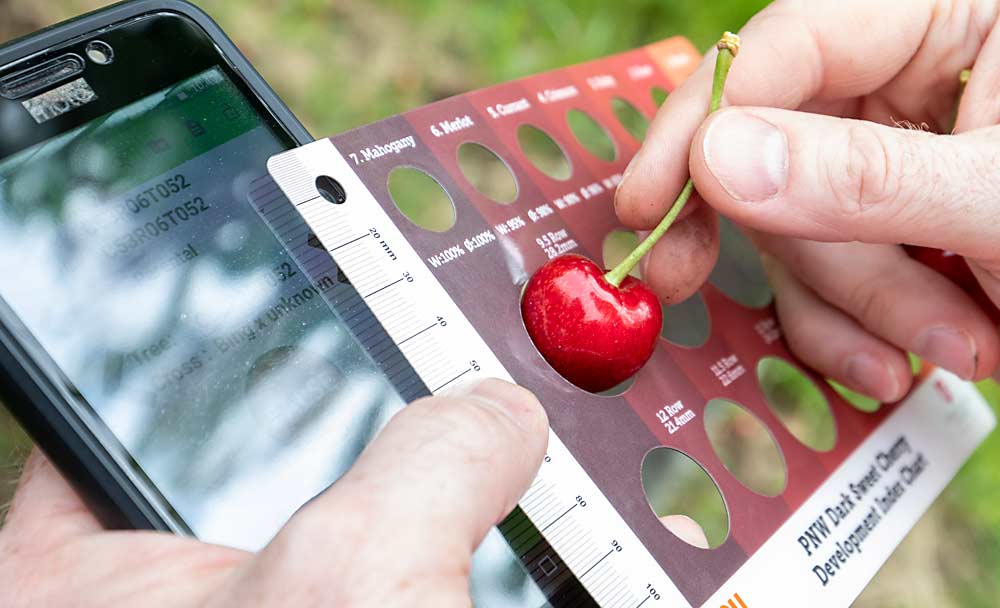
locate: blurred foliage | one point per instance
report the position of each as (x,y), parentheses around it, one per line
(675,484)
(798,403)
(342,63)
(422,199)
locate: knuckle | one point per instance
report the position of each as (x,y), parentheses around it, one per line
(460,426)
(797,325)
(481,425)
(867,179)
(872,299)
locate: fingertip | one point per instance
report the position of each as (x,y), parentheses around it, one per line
(641,199)
(988,359)
(886,379)
(466,456)
(705,181)
(681,261)
(686,529)
(515,402)
(833,343)
(740,157)
(697,166)
(658,172)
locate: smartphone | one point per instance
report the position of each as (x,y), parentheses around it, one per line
(156,339)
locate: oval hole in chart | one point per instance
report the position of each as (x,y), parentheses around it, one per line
(422,199)
(798,403)
(544,153)
(591,135)
(739,273)
(487,173)
(631,118)
(687,323)
(659,95)
(621,389)
(678,489)
(857,400)
(745,447)
(617,245)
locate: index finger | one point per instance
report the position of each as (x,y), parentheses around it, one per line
(400,527)
(793,52)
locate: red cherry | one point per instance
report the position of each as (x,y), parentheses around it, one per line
(595,334)
(957,269)
(598,329)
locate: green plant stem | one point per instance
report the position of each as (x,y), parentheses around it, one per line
(728,47)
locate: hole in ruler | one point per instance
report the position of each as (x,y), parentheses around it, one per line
(857,400)
(313,241)
(617,245)
(342,278)
(487,173)
(686,323)
(631,118)
(684,498)
(422,199)
(745,447)
(798,403)
(591,135)
(331,190)
(659,95)
(543,152)
(739,273)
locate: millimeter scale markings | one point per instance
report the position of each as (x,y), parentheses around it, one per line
(350,242)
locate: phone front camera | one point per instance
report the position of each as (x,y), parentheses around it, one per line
(100,52)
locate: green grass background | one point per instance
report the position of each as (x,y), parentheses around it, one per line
(341,63)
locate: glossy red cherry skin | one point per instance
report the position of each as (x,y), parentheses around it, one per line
(595,334)
(957,269)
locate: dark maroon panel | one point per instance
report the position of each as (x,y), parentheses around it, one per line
(608,435)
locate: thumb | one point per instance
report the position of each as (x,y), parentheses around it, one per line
(830,179)
(401,526)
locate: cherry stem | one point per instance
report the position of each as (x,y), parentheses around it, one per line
(728,47)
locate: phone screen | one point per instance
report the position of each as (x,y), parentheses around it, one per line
(129,250)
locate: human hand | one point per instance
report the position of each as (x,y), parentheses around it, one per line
(810,158)
(398,529)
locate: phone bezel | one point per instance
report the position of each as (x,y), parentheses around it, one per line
(33,388)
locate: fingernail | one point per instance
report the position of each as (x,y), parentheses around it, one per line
(686,529)
(952,349)
(628,171)
(747,155)
(512,401)
(870,376)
